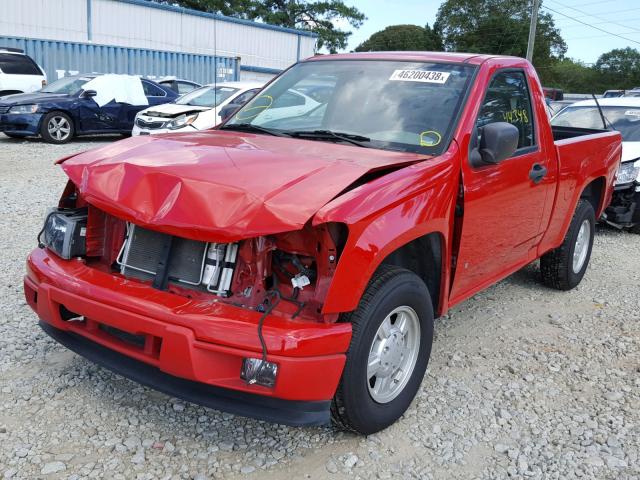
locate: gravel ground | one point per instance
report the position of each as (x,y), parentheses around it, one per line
(524,382)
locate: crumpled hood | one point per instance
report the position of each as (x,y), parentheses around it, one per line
(221,185)
(170,110)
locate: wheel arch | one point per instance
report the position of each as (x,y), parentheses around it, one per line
(594,192)
(423,256)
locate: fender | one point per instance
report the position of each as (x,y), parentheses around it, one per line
(386,214)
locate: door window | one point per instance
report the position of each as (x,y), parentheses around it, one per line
(508,100)
(288,99)
(245,97)
(18,65)
(184,87)
(150,90)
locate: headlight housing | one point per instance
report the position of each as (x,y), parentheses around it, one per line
(24,109)
(182,121)
(628,172)
(64,232)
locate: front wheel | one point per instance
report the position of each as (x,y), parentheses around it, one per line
(564,267)
(392,334)
(57,127)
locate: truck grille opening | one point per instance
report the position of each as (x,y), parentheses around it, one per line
(201,265)
(137,341)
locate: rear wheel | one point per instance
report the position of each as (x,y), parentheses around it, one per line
(564,267)
(57,127)
(392,333)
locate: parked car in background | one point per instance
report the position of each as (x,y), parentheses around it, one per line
(553,94)
(68,107)
(632,93)
(197,110)
(621,114)
(19,73)
(613,93)
(179,85)
(290,267)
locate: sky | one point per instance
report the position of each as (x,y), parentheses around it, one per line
(620,17)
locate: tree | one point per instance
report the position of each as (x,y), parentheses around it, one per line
(319,16)
(498,27)
(402,37)
(620,67)
(572,76)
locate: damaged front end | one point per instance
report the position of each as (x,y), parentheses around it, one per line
(624,210)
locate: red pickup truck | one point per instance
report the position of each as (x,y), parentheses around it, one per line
(289,264)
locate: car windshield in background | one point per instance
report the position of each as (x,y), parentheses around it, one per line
(408,106)
(624,119)
(66,85)
(206,96)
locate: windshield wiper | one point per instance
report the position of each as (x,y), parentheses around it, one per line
(359,140)
(248,127)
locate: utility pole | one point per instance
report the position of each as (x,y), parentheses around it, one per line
(532,29)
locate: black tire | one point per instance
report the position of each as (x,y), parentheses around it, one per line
(14,135)
(557,265)
(52,137)
(353,407)
(635,229)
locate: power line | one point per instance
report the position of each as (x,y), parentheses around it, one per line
(595,16)
(569,25)
(592,26)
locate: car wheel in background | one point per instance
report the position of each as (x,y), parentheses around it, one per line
(564,267)
(392,333)
(57,127)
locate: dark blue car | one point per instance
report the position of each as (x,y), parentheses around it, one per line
(64,109)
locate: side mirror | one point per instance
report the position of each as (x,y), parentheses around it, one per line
(89,93)
(498,141)
(229,110)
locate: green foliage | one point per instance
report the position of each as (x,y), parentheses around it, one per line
(621,67)
(401,38)
(318,16)
(498,27)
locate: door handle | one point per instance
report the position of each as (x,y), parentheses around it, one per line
(537,173)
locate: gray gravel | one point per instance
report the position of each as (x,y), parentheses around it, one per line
(524,382)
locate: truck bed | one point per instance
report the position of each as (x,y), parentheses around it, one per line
(563,133)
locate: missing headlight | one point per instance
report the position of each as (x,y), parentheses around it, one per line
(64,232)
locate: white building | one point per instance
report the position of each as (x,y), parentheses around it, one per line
(147,32)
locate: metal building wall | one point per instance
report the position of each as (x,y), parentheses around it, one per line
(140,24)
(66,58)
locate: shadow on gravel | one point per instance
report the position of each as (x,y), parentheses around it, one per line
(88,139)
(109,392)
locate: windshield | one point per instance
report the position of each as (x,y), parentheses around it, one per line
(624,119)
(68,85)
(206,96)
(408,106)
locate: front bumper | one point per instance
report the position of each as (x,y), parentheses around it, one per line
(183,340)
(156,131)
(624,210)
(21,124)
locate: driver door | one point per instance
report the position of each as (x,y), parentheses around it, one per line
(503,206)
(96,118)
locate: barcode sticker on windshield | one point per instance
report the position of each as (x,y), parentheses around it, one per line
(427,76)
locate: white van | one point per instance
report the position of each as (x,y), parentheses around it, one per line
(19,73)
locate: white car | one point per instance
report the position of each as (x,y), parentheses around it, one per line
(196,110)
(621,114)
(19,73)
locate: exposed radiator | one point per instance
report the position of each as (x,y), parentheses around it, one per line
(192,263)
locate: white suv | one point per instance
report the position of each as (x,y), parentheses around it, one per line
(19,73)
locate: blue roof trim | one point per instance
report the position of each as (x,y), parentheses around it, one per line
(216,16)
(249,68)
